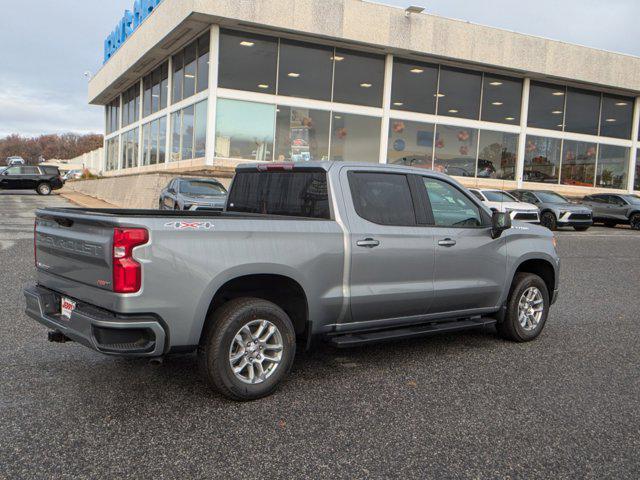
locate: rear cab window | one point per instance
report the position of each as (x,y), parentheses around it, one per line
(301,193)
(382,198)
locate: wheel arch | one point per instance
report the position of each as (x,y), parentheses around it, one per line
(540,267)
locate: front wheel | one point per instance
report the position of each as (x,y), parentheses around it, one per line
(634,221)
(43,189)
(548,219)
(247,349)
(527,308)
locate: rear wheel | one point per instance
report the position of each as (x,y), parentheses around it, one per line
(634,221)
(43,188)
(548,219)
(527,308)
(581,229)
(247,349)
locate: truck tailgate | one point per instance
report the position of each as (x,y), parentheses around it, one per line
(74,247)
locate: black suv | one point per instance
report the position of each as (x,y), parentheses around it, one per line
(42,179)
(614,209)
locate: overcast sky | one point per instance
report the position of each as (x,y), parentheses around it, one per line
(46,46)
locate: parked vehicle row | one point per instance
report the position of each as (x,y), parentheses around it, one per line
(615,209)
(499,201)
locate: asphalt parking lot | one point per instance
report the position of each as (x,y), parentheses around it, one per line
(464,405)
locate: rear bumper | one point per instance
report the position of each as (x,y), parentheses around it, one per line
(98,329)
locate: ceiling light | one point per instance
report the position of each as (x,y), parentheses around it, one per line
(337,58)
(621,104)
(188,75)
(510,119)
(453,110)
(398,104)
(245,43)
(557,112)
(416,70)
(496,84)
(497,104)
(558,94)
(294,75)
(610,120)
(439,95)
(264,86)
(365,85)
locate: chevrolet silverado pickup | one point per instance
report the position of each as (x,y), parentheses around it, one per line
(348,253)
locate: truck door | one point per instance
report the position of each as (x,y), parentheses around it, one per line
(392,250)
(470,266)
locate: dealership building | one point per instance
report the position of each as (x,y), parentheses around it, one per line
(192,85)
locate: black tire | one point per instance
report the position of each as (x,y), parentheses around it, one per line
(581,229)
(510,328)
(610,224)
(214,348)
(634,221)
(549,220)
(43,188)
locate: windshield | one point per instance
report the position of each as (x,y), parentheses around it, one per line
(200,187)
(550,197)
(632,199)
(496,196)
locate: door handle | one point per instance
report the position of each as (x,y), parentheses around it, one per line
(447,242)
(368,243)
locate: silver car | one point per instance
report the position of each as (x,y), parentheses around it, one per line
(193,194)
(557,211)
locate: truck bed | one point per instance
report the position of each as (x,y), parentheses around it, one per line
(112,213)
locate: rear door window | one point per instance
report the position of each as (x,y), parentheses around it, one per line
(382,198)
(297,194)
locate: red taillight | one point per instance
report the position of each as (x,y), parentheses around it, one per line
(127,273)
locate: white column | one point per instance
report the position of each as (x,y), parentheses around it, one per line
(522,143)
(634,145)
(386,108)
(213,89)
(167,147)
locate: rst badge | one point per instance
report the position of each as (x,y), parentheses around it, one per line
(181,225)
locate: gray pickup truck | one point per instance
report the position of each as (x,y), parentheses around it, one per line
(349,253)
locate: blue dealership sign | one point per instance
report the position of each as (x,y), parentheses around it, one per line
(129,22)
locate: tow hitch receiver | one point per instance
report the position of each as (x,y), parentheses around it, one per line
(58,337)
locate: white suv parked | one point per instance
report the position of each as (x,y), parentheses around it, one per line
(500,201)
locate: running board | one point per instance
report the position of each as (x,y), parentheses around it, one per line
(363,338)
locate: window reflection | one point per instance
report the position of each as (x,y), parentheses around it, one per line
(359,78)
(130,149)
(616,116)
(111,154)
(546,106)
(501,99)
(188,132)
(190,69)
(542,159)
(459,93)
(583,111)
(155,86)
(131,105)
(305,70)
(302,135)
(355,138)
(410,143)
(578,163)
(612,167)
(497,155)
(244,130)
(455,152)
(414,86)
(247,62)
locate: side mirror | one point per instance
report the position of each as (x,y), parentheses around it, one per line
(499,223)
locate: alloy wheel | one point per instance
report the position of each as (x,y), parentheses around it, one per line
(256,351)
(530,308)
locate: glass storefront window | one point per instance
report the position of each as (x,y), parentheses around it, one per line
(247,62)
(497,155)
(305,70)
(583,111)
(200,130)
(190,69)
(111,153)
(456,149)
(410,143)
(130,149)
(616,116)
(154,136)
(414,86)
(355,138)
(542,159)
(578,163)
(358,78)
(113,116)
(459,93)
(178,63)
(636,181)
(244,130)
(189,132)
(302,135)
(189,81)
(131,105)
(203,62)
(546,106)
(612,167)
(501,99)
(176,127)
(146,144)
(155,90)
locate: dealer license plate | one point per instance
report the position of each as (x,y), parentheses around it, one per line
(67,307)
